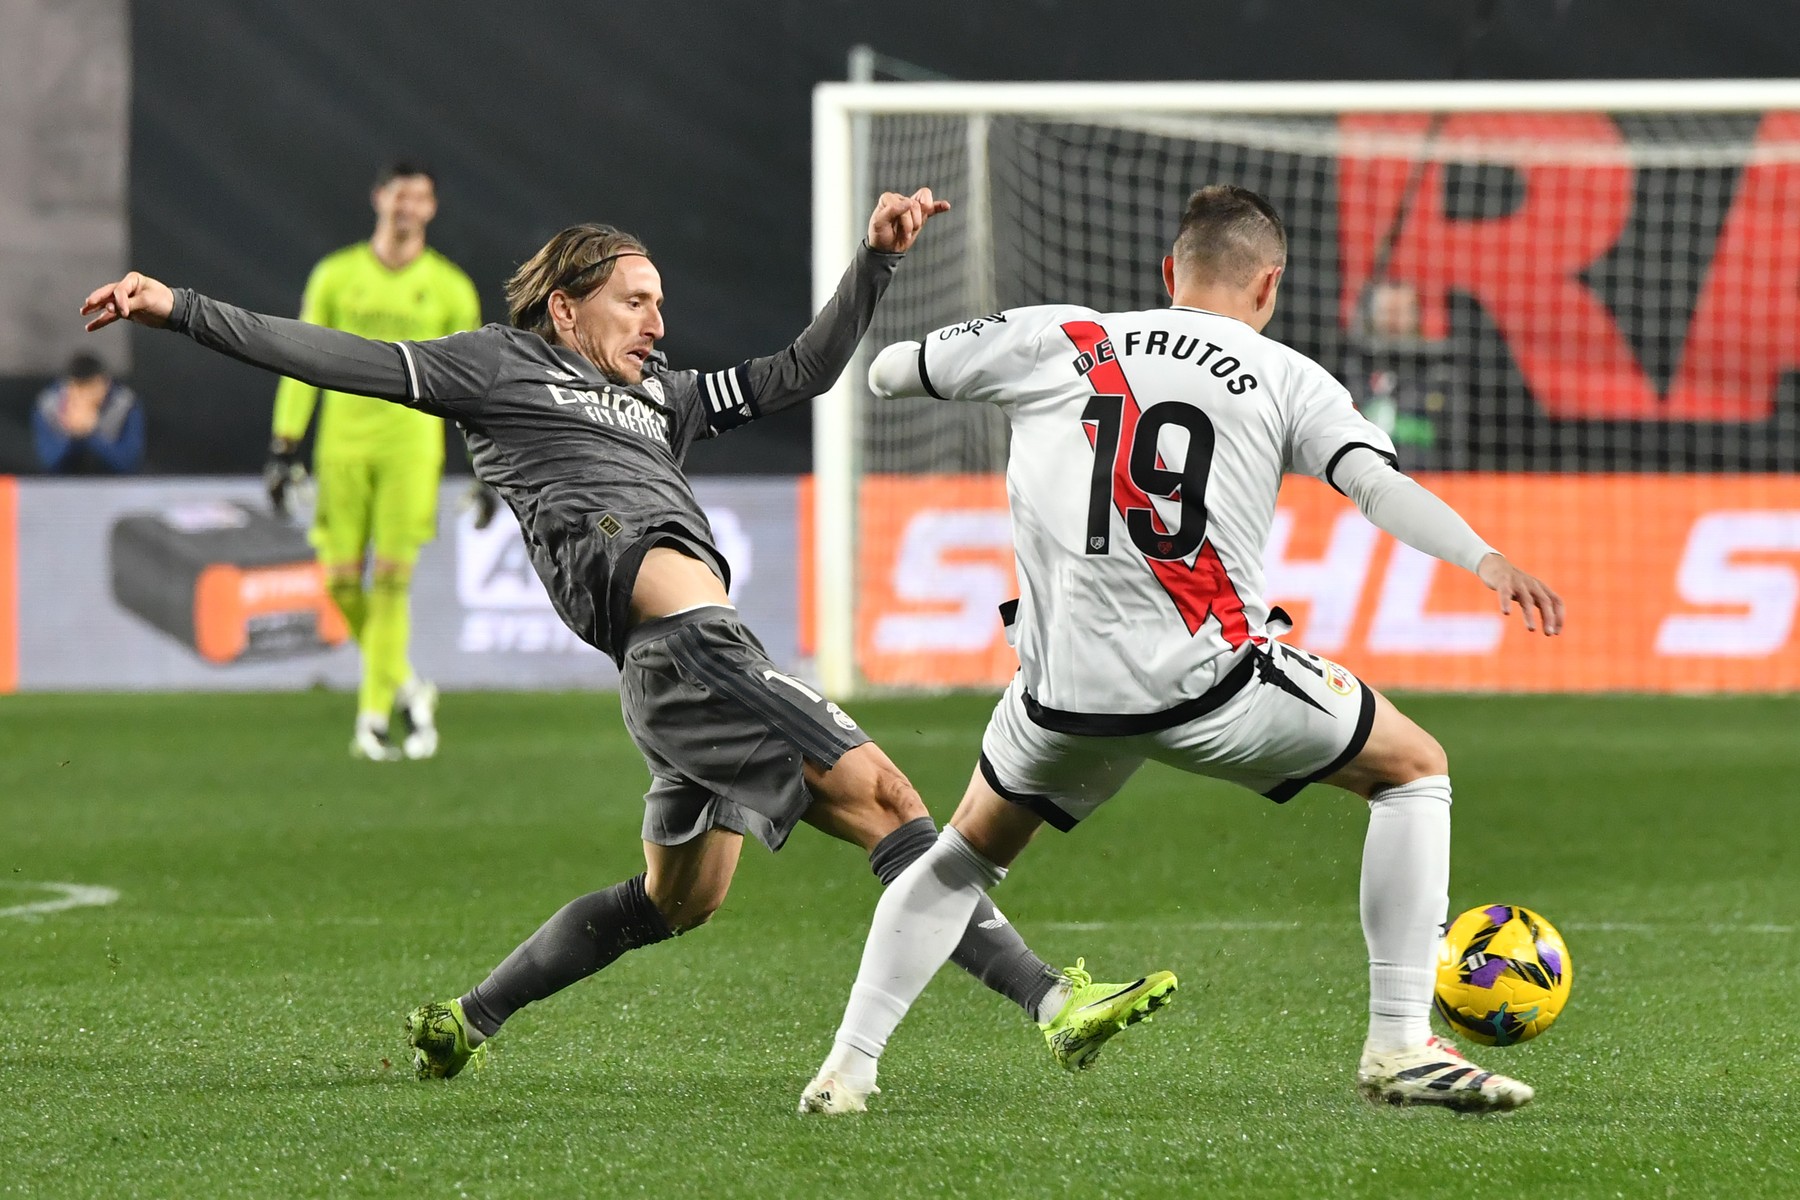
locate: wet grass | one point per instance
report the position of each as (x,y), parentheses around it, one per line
(230,1026)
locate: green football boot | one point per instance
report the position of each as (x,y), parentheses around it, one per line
(1094,1012)
(439,1036)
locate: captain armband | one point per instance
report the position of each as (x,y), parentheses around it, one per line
(726,395)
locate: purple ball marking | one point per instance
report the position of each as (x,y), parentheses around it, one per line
(1498,914)
(1551,959)
(1488,972)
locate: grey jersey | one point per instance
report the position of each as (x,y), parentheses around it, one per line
(591,468)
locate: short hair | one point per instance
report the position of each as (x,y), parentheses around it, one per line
(1228,234)
(578,260)
(403,168)
(85,366)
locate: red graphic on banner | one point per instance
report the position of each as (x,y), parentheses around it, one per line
(1746,329)
(1200,589)
(1526,267)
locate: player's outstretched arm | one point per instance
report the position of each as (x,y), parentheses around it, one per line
(1403,507)
(809,366)
(327,358)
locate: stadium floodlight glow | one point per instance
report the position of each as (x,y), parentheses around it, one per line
(1576,277)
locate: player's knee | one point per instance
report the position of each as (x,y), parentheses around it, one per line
(692,915)
(392,575)
(686,908)
(1421,756)
(896,797)
(343,574)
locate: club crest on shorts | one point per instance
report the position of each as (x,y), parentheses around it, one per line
(1339,680)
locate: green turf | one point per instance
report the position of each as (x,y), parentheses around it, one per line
(231,1025)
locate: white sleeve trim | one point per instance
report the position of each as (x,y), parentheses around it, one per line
(412,371)
(1401,506)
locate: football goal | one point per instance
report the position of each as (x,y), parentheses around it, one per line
(1575,306)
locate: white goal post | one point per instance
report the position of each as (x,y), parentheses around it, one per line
(1092,178)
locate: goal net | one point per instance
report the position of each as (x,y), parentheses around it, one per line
(1575,307)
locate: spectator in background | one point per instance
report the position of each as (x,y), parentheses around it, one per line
(88,422)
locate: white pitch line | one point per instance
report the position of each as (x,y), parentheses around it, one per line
(74,895)
(1697,927)
(1207,926)
(1293,926)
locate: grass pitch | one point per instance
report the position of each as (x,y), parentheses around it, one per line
(230,1026)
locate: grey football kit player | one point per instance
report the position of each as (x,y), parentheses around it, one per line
(1143,634)
(576,420)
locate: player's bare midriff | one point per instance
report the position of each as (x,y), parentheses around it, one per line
(669,581)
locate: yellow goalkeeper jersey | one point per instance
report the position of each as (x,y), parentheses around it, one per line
(353,291)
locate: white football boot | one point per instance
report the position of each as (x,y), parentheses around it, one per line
(1437,1073)
(370,741)
(418,712)
(828,1095)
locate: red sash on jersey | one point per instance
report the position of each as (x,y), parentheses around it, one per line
(1199,589)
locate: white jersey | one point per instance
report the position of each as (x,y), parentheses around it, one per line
(1147,450)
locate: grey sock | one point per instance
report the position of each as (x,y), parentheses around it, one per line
(991,949)
(583,936)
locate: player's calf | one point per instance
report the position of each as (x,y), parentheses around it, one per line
(583,937)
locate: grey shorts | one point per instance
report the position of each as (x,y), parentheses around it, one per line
(723,731)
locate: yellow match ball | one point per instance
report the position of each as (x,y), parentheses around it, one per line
(1503,974)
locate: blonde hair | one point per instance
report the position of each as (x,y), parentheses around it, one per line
(579,260)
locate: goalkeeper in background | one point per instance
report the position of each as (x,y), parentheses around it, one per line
(377,465)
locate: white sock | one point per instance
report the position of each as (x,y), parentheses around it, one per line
(1053,1000)
(1405,898)
(919,921)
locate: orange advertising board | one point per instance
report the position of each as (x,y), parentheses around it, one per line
(9,584)
(1673,583)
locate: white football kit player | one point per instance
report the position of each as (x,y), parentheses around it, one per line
(1147,451)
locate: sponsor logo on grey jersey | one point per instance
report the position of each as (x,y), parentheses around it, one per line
(616,408)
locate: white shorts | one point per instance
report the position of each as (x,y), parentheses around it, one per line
(1280,719)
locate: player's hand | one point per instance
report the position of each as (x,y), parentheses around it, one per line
(894,225)
(1527,591)
(284,476)
(483,502)
(134,298)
